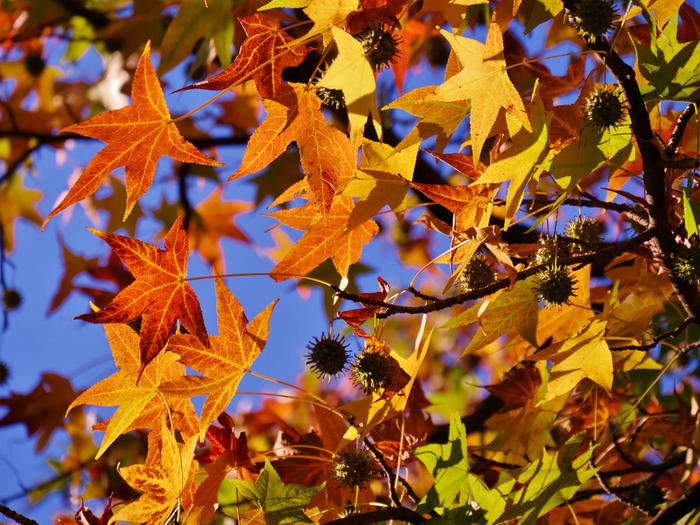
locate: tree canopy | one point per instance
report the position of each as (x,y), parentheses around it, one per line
(496,201)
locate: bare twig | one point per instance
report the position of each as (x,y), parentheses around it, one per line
(657,339)
(14,515)
(391,513)
(678,130)
(679,508)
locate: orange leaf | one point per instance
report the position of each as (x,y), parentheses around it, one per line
(160,294)
(162,482)
(327,156)
(264,55)
(138,396)
(359,315)
(226,361)
(326,239)
(136,136)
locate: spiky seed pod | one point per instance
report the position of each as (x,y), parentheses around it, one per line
(586,230)
(554,285)
(371,371)
(604,109)
(328,355)
(333,98)
(380,45)
(11,299)
(354,468)
(4,373)
(35,64)
(593,18)
(649,496)
(552,249)
(687,265)
(476,274)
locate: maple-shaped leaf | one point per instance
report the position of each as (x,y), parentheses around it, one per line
(327,155)
(161,482)
(281,503)
(264,55)
(228,358)
(16,201)
(584,355)
(438,117)
(160,294)
(136,136)
(326,14)
(520,163)
(483,81)
(357,316)
(139,398)
(42,409)
(325,239)
(352,73)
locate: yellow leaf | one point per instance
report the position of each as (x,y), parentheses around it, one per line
(484,81)
(327,14)
(585,355)
(352,73)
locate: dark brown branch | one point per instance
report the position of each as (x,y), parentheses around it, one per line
(670,463)
(182,171)
(657,339)
(391,477)
(679,508)
(653,164)
(392,513)
(678,130)
(392,309)
(582,203)
(14,515)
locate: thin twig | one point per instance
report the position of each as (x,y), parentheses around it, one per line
(391,513)
(14,515)
(387,470)
(657,339)
(679,508)
(678,130)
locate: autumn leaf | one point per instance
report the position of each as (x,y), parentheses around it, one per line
(519,163)
(327,156)
(264,55)
(162,482)
(226,357)
(327,239)
(352,73)
(438,117)
(357,316)
(327,14)
(483,81)
(16,201)
(584,355)
(137,136)
(138,396)
(42,409)
(160,294)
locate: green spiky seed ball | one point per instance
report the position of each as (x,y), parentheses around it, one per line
(552,249)
(687,265)
(11,299)
(587,231)
(604,109)
(593,18)
(327,356)
(371,371)
(4,373)
(554,285)
(476,274)
(354,468)
(380,45)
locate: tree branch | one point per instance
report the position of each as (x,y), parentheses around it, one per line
(678,130)
(14,515)
(440,304)
(679,508)
(657,339)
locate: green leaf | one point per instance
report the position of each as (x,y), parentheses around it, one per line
(672,68)
(449,466)
(516,309)
(281,503)
(549,481)
(290,4)
(691,213)
(195,21)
